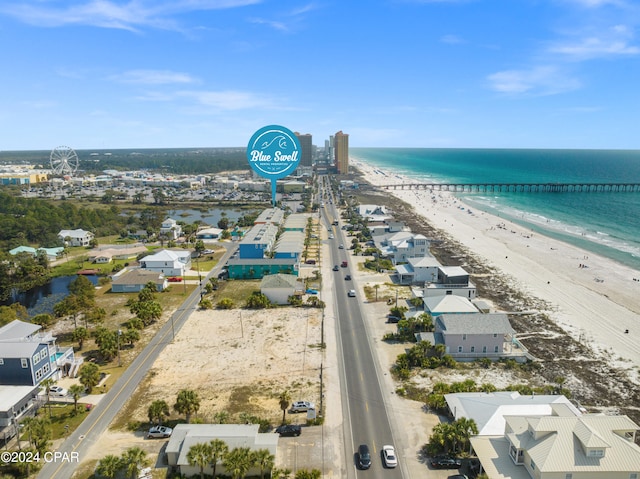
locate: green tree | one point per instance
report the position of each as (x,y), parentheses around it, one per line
(263,460)
(187,403)
(41,434)
(109,466)
(221,417)
(134,459)
(277,473)
(199,454)
(284,401)
(258,300)
(79,335)
(75,391)
(45,320)
(46,384)
(238,462)
(219,450)
(89,376)
(158,410)
(26,465)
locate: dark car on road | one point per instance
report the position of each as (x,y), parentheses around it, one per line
(445,462)
(363,457)
(347,277)
(289,430)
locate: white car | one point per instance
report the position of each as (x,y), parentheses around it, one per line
(159,432)
(352,293)
(302,406)
(57,391)
(389,456)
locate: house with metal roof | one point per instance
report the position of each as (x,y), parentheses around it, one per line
(184,436)
(561,445)
(168,262)
(28,355)
(448,304)
(134,280)
(488,410)
(278,287)
(77,237)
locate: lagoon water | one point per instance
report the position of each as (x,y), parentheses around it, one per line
(604,223)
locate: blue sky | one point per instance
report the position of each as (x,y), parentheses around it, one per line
(397,73)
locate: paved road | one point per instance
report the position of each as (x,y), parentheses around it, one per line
(365,416)
(105,411)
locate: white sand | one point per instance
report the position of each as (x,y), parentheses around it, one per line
(595,304)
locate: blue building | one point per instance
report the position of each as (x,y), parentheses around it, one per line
(28,356)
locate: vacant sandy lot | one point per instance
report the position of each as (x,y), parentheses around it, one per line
(239,361)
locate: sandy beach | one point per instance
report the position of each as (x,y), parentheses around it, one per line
(592,298)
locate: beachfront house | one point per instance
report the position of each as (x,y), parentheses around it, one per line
(468,337)
(489,410)
(168,262)
(418,270)
(448,304)
(402,245)
(170,229)
(234,435)
(450,280)
(561,445)
(77,237)
(29,355)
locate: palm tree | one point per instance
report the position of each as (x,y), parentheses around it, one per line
(80,334)
(285,400)
(109,466)
(76,391)
(238,462)
(47,383)
(89,376)
(134,459)
(158,410)
(219,451)
(187,403)
(199,455)
(264,460)
(277,473)
(28,424)
(221,417)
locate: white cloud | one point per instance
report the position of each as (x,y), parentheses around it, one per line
(153,77)
(451,39)
(228,100)
(543,80)
(596,47)
(129,15)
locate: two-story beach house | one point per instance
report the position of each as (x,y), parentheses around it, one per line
(170,229)
(77,237)
(168,262)
(561,445)
(468,337)
(28,355)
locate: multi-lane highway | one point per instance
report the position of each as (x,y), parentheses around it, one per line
(366,418)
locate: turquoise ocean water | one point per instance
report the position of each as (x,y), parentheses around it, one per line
(604,223)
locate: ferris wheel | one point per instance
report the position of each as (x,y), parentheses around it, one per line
(63,161)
